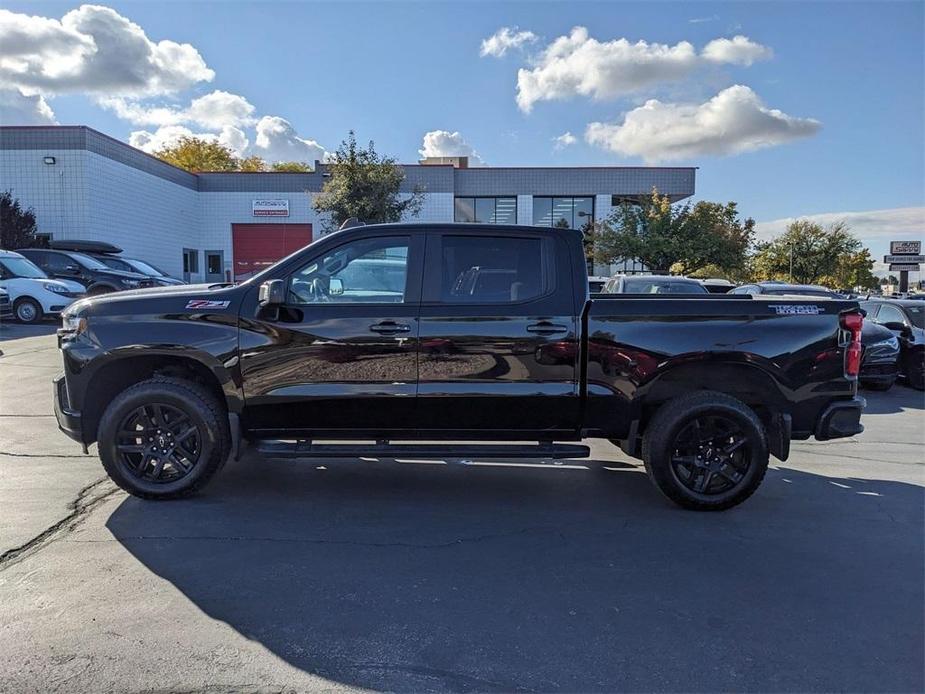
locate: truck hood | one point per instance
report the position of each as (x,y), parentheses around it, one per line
(191,291)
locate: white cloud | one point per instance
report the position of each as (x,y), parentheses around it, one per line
(277,140)
(443,143)
(18,109)
(894,224)
(504,40)
(733,121)
(564,140)
(703,20)
(578,65)
(739,50)
(214,110)
(93,50)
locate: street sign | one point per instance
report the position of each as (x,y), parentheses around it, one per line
(904,259)
(904,267)
(905,247)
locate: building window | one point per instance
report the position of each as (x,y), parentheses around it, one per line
(486,210)
(563,212)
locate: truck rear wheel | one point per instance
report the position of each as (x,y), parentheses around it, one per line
(163,438)
(705,451)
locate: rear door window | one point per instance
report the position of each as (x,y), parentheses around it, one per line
(492,269)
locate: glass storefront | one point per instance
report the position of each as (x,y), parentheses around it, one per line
(484,210)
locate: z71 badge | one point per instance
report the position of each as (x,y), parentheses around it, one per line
(797,310)
(206,303)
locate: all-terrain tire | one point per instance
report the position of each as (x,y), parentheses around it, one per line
(202,408)
(671,420)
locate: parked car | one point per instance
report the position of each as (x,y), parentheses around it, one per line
(596,283)
(717,286)
(109,255)
(773,288)
(652,284)
(879,358)
(33,293)
(703,388)
(6,306)
(95,277)
(905,318)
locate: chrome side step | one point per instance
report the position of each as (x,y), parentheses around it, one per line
(383,449)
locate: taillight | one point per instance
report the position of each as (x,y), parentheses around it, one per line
(852,323)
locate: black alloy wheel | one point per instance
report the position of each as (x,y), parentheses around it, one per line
(158,443)
(711,455)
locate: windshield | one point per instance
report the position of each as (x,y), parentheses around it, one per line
(87,261)
(798,291)
(21,267)
(641,285)
(916,315)
(144,268)
(116,263)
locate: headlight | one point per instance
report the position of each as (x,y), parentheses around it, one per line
(56,288)
(130,283)
(889,343)
(73,325)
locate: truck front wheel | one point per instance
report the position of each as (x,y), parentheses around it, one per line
(163,438)
(705,451)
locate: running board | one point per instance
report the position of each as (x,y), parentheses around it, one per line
(307,449)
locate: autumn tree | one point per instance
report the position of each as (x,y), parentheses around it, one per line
(291,167)
(199,154)
(17,225)
(681,238)
(365,185)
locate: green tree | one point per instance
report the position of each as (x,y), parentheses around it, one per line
(365,185)
(683,238)
(197,154)
(811,250)
(853,270)
(291,167)
(253,163)
(17,226)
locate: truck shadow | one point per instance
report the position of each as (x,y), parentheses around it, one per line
(414,577)
(898,398)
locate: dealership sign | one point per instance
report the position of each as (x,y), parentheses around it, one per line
(271,208)
(904,267)
(904,259)
(905,247)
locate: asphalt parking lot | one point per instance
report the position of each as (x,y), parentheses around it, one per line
(416,576)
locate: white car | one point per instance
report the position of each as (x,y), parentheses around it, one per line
(32,293)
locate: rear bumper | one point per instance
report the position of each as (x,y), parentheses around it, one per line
(68,420)
(840,419)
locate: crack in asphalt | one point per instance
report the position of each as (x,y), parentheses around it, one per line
(46,455)
(88,498)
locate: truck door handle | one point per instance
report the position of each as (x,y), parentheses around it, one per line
(547,328)
(387,327)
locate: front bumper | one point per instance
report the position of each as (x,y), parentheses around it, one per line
(840,419)
(68,420)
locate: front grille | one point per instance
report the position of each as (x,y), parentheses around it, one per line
(6,308)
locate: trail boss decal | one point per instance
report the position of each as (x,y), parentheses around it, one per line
(797,310)
(206,303)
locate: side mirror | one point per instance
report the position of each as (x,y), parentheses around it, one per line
(335,287)
(895,326)
(272,293)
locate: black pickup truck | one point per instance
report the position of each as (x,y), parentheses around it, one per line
(452,333)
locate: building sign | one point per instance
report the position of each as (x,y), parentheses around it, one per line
(904,259)
(271,208)
(905,247)
(904,267)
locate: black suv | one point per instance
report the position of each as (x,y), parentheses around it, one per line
(91,273)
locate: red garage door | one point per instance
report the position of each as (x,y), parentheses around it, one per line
(258,245)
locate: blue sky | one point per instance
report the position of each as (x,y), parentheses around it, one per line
(395,71)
